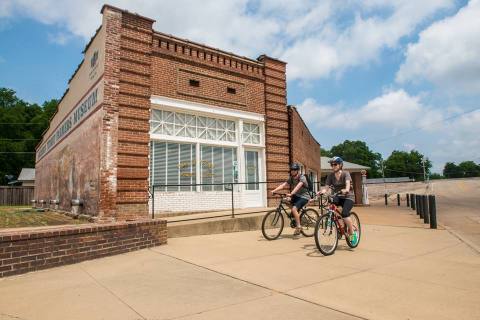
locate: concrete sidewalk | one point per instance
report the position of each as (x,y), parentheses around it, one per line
(397,272)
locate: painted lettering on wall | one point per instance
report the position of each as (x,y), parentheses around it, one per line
(70,122)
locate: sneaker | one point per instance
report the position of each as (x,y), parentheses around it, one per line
(353,238)
(297,231)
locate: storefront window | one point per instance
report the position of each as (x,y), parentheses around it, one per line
(172,163)
(218,165)
(251,133)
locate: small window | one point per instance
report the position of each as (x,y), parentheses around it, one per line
(194,83)
(231,90)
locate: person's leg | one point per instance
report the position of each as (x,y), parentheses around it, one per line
(346,208)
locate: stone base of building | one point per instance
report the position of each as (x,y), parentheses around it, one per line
(37,249)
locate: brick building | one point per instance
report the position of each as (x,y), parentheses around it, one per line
(145,108)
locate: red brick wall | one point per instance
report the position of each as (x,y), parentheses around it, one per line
(176,62)
(124,179)
(276,125)
(305,149)
(25,251)
(71,169)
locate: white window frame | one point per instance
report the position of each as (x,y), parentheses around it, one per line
(198,109)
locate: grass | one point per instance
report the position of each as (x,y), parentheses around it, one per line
(18,216)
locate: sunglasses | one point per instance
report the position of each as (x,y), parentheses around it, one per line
(334,164)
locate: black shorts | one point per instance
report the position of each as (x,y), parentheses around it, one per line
(345,203)
(298,202)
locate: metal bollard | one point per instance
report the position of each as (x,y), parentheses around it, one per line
(433,212)
(408,200)
(398,199)
(413,201)
(386,199)
(425,210)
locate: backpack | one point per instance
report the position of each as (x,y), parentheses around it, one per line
(309,182)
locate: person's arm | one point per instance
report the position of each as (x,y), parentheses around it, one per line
(297,187)
(327,186)
(280,187)
(348,183)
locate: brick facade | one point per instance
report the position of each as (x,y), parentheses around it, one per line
(140,64)
(32,250)
(304,148)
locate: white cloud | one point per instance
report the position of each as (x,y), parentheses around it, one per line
(447,53)
(397,105)
(316,38)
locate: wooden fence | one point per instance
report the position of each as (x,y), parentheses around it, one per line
(16,196)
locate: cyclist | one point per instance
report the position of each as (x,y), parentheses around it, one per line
(299,195)
(340,182)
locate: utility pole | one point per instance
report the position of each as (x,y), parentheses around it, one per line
(383,175)
(424,173)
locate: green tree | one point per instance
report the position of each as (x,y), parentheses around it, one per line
(406,164)
(470,169)
(358,152)
(21,127)
(325,153)
(451,170)
(436,176)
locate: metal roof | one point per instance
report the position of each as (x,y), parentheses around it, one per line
(353,167)
(27,174)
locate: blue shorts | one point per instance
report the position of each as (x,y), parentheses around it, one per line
(298,202)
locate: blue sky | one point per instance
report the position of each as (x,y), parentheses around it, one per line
(390,73)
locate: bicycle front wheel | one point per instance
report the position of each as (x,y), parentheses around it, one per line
(272,225)
(357,229)
(326,235)
(308,220)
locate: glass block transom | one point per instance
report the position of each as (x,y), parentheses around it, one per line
(178,124)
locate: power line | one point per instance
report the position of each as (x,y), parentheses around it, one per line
(422,127)
(20,123)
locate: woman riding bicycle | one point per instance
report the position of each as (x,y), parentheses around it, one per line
(340,182)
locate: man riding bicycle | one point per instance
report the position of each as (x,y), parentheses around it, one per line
(299,195)
(340,183)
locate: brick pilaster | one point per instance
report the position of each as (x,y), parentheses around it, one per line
(276,124)
(126,128)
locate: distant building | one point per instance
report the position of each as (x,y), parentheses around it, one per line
(355,171)
(25,179)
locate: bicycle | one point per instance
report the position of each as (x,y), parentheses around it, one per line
(329,229)
(273,222)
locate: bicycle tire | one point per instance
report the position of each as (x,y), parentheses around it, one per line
(357,227)
(273,220)
(308,220)
(325,225)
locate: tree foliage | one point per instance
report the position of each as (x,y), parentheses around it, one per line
(358,152)
(406,164)
(21,127)
(465,169)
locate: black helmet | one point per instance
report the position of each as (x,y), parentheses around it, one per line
(294,166)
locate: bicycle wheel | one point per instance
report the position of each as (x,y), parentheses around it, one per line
(272,225)
(308,220)
(356,228)
(326,235)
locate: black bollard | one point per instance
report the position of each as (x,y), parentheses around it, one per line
(408,200)
(386,199)
(426,213)
(417,205)
(398,199)
(420,205)
(413,201)
(433,212)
